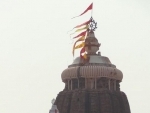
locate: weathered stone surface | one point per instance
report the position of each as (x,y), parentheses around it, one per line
(92,101)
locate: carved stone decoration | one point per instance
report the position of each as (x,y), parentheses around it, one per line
(90,70)
(90,83)
(102,83)
(92,25)
(118,85)
(74,84)
(81,83)
(111,84)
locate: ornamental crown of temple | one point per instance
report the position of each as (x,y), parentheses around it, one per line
(92,68)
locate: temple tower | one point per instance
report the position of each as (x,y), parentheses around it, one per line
(92,82)
(92,85)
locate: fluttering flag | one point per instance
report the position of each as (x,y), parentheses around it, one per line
(81,34)
(89,8)
(82,50)
(85,23)
(77,47)
(84,28)
(84,56)
(80,39)
(80,45)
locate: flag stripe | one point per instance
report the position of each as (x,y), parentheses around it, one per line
(80,45)
(81,34)
(84,28)
(81,52)
(80,39)
(85,23)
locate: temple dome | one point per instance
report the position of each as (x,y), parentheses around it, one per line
(92,72)
(98,66)
(95,66)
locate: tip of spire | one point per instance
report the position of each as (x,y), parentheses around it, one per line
(92,24)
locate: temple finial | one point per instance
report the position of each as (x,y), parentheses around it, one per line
(92,25)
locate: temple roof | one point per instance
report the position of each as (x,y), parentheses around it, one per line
(95,59)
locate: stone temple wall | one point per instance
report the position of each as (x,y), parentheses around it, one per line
(92,101)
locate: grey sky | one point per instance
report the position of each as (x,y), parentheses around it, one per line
(35,48)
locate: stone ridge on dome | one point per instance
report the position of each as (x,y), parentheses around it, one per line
(92,72)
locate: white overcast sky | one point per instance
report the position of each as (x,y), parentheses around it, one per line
(35,48)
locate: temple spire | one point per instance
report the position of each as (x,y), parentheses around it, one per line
(92,82)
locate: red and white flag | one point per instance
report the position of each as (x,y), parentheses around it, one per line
(89,8)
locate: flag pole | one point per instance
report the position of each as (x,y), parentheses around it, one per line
(92,10)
